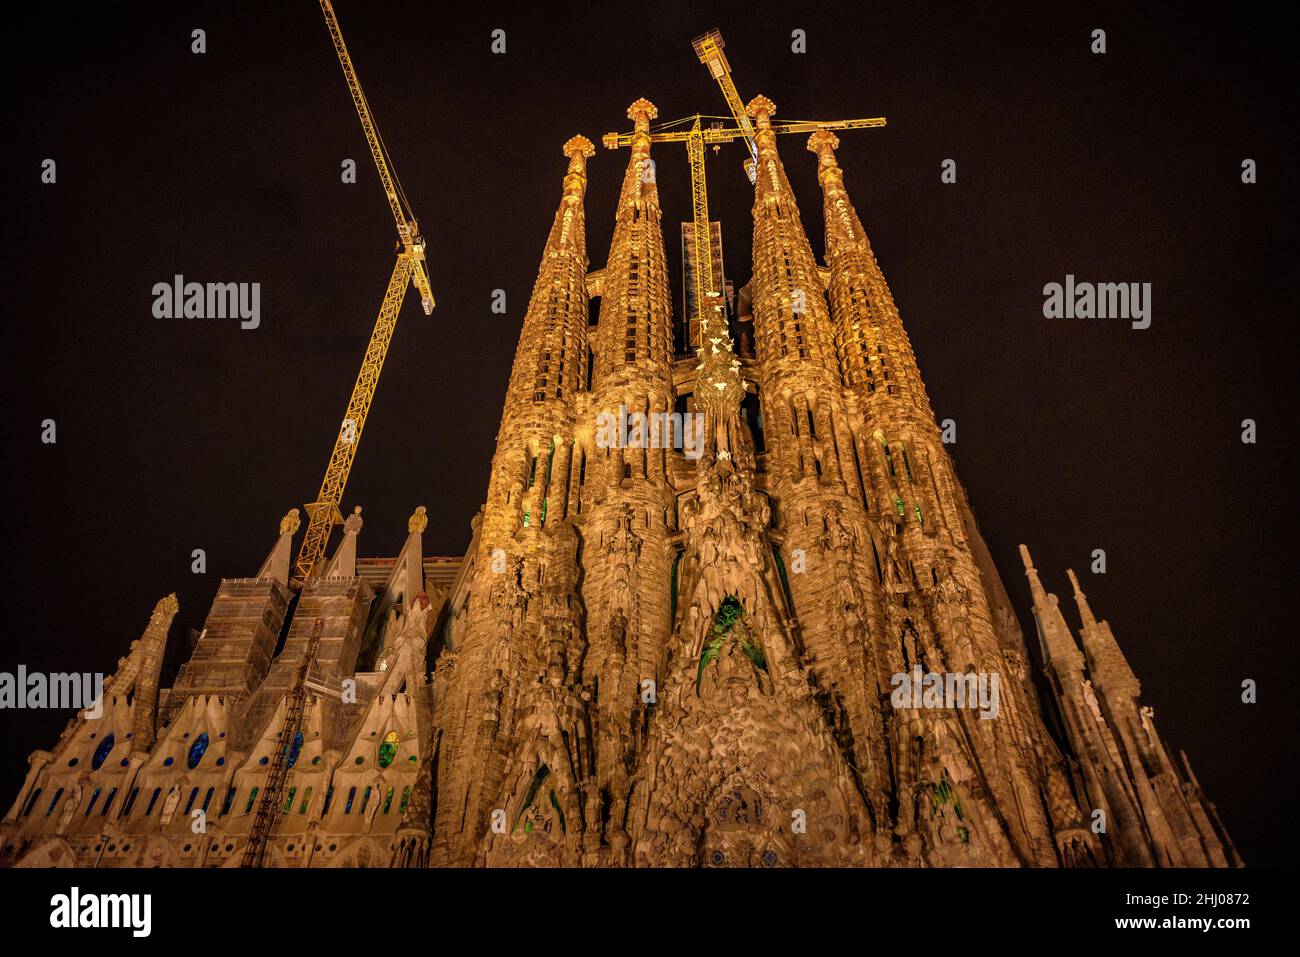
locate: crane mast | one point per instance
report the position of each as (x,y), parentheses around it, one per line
(709,49)
(324,513)
(703,271)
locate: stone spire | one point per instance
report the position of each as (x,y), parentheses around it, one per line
(276,565)
(344,562)
(138,673)
(531,467)
(147,660)
(791,322)
(635,336)
(1059,649)
(872,345)
(634,352)
(408,570)
(551,359)
(1107,664)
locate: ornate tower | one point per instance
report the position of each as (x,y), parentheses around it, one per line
(698,660)
(541,473)
(668,643)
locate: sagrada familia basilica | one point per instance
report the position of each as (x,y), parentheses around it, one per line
(645,658)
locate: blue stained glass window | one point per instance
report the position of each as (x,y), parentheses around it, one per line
(295,748)
(102,752)
(199,746)
(352,795)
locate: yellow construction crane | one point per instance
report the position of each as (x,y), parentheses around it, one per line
(709,49)
(324,513)
(695,137)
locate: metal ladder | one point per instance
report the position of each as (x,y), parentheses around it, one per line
(267,808)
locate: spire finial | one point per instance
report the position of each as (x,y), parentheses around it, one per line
(577,149)
(761,109)
(578,146)
(1027,559)
(352,524)
(289,524)
(418,521)
(823,142)
(167,607)
(641,113)
(1080,599)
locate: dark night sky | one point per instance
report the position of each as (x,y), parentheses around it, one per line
(1072,434)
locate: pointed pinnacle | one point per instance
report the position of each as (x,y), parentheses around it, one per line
(166,606)
(1026,558)
(1080,599)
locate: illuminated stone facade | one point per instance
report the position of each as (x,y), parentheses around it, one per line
(649,658)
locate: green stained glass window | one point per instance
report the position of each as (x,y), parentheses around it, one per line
(406,799)
(898,504)
(388,749)
(306,799)
(252,796)
(388,798)
(919,519)
(288,805)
